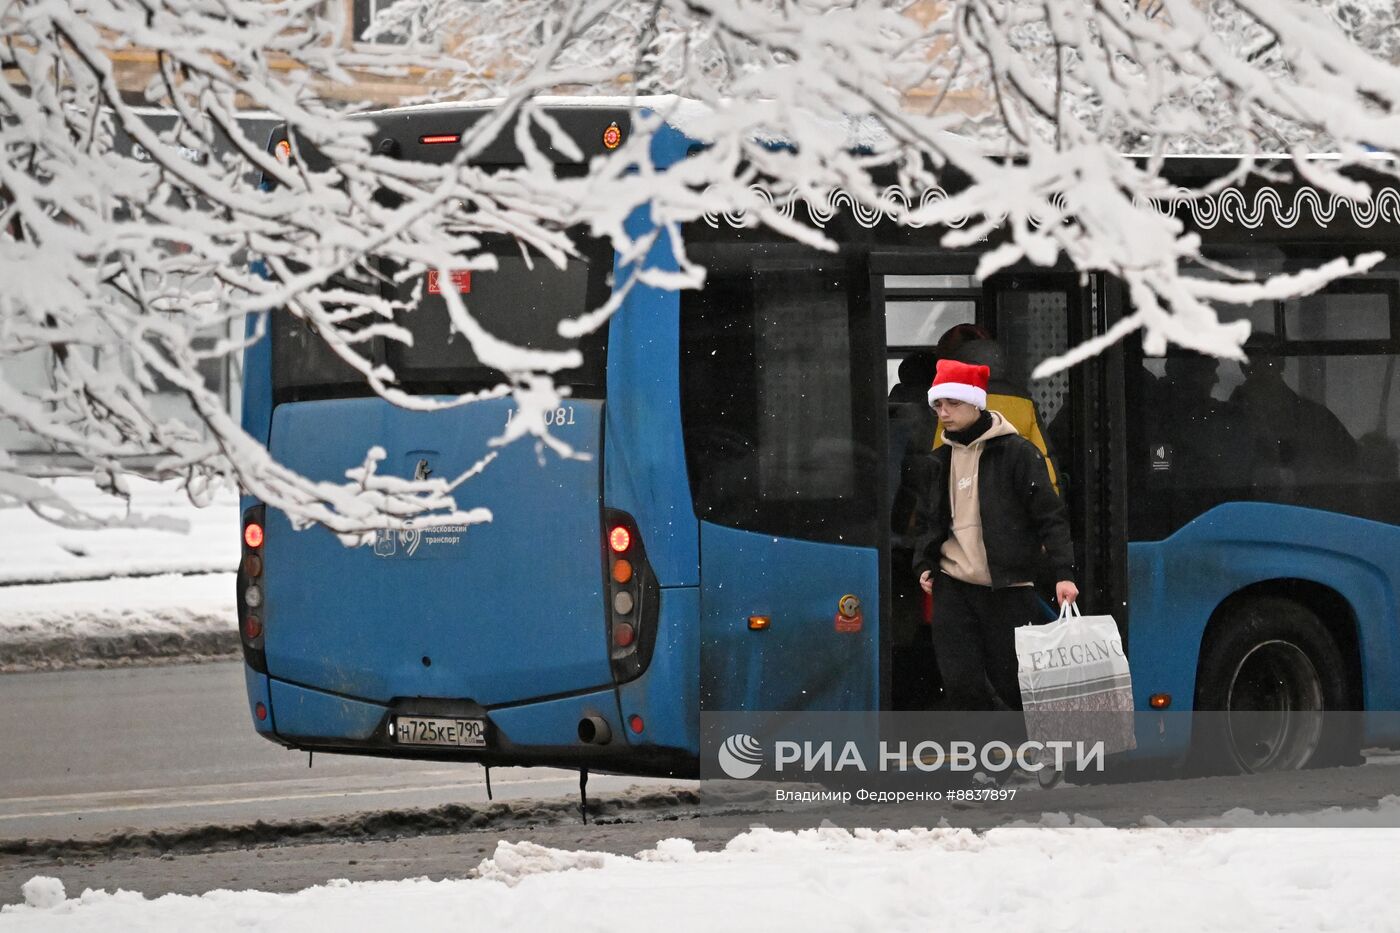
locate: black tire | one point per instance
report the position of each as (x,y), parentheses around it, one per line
(1268,673)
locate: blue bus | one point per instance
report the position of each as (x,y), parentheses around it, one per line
(738,538)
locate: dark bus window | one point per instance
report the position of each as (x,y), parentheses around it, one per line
(1352,310)
(1257,262)
(1313,430)
(1311,419)
(305,366)
(520,302)
(775,437)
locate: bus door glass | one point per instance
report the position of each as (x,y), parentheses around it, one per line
(926,303)
(779,399)
(1032,318)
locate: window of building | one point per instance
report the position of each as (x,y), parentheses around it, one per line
(365,13)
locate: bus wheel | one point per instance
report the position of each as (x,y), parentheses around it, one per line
(1266,677)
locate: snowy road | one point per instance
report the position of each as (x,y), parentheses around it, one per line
(91,753)
(157,751)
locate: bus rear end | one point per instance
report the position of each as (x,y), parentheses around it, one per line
(503,642)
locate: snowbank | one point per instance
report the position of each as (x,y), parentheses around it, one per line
(829,879)
(77,597)
(34,550)
(123,620)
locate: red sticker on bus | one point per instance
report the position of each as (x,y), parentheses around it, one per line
(849,623)
(462,278)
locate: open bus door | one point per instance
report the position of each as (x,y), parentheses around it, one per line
(1030,316)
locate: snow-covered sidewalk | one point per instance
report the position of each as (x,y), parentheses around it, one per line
(73,597)
(1055,876)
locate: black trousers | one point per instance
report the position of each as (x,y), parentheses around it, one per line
(974,638)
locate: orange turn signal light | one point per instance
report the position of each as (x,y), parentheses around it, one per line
(253,535)
(622,570)
(759,623)
(612,136)
(1159,700)
(283,151)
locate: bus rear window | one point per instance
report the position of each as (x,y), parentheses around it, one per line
(520,302)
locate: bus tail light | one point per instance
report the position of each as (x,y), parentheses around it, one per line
(252,589)
(633,597)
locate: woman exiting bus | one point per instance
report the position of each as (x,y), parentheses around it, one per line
(989,512)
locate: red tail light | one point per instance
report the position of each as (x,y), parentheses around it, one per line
(439,138)
(252,608)
(633,596)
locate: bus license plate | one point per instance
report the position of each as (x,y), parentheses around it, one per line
(416,730)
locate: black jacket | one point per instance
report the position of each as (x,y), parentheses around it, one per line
(1021,513)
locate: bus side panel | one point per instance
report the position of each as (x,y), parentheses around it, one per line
(1176,584)
(644,472)
(666,696)
(257,380)
(800,661)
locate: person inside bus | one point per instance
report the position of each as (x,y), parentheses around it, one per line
(912,430)
(988,515)
(912,427)
(1210,439)
(1301,441)
(1012,402)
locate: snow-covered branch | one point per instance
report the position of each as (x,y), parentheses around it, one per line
(126,247)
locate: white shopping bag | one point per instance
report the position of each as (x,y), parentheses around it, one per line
(1075,683)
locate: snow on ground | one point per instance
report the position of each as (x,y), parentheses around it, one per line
(126,618)
(1030,878)
(34,550)
(118,594)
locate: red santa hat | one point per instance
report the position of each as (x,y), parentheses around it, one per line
(964,382)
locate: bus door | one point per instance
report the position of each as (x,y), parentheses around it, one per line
(1032,317)
(781,401)
(933,305)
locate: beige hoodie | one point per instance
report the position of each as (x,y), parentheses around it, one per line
(964,555)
